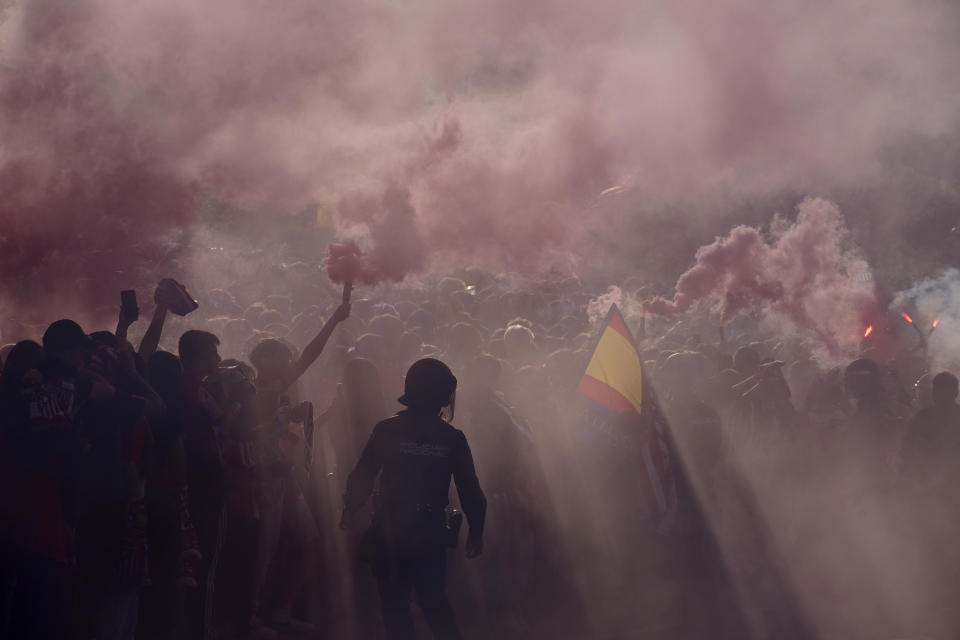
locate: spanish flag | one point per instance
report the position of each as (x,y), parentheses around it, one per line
(614,377)
(615,381)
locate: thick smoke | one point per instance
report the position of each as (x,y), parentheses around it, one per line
(397,249)
(808,273)
(116,117)
(936,300)
(598,307)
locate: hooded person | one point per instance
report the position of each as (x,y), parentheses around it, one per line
(415,453)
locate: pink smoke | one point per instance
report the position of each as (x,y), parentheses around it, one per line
(344,263)
(118,119)
(396,247)
(732,266)
(809,274)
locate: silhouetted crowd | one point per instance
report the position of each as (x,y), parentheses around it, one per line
(184,476)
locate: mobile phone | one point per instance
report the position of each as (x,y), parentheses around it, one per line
(128,302)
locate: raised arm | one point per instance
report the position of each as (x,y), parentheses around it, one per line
(151,339)
(168,296)
(313,350)
(126,318)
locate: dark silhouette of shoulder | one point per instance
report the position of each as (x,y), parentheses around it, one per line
(435,436)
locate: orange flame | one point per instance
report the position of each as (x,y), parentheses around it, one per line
(936,322)
(868,331)
(906,317)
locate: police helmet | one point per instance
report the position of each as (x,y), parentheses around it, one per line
(429,384)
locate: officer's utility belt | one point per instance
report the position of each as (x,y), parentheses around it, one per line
(409,513)
(441,519)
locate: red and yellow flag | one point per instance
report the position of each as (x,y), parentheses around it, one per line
(614,377)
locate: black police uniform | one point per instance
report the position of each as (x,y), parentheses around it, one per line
(416,452)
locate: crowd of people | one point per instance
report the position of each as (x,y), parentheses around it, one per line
(185,478)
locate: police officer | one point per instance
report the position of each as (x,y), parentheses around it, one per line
(416,452)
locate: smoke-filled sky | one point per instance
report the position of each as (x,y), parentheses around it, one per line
(523,134)
(486,130)
(810,276)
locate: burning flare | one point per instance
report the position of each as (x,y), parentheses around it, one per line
(868,331)
(906,317)
(935,323)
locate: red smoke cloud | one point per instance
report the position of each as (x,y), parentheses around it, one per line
(117,118)
(344,263)
(808,274)
(731,267)
(396,247)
